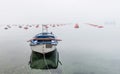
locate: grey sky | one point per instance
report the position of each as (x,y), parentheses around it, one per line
(50,11)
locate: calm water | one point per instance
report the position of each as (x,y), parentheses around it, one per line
(86,50)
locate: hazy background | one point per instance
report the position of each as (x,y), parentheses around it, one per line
(58,11)
(87,50)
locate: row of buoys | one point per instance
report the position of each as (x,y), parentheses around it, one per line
(76,26)
(33,25)
(94,25)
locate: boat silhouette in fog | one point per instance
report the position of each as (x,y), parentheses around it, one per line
(44,52)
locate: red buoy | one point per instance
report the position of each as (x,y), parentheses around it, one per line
(53,25)
(76,26)
(100,26)
(20,26)
(57,24)
(37,26)
(5,28)
(46,26)
(26,28)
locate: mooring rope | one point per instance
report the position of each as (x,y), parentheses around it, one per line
(63,70)
(44,58)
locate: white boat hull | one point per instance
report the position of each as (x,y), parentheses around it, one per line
(43,48)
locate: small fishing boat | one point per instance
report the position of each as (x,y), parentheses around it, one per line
(44,43)
(44,52)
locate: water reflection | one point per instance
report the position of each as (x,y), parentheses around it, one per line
(44,61)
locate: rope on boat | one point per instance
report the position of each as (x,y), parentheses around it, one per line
(63,70)
(44,58)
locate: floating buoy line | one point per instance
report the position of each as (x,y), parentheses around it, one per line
(37,26)
(95,25)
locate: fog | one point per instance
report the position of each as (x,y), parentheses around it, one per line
(57,11)
(85,50)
